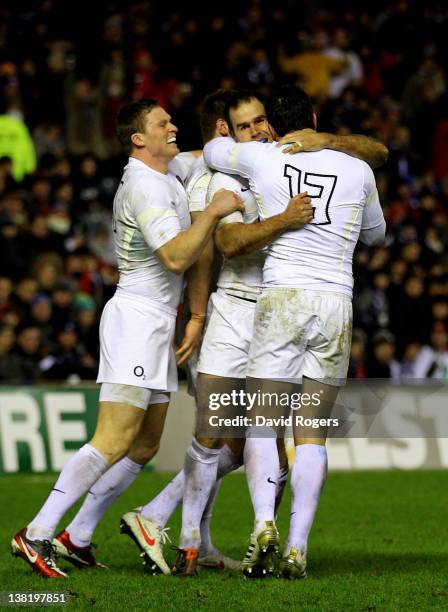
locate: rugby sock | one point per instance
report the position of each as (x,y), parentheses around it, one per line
(162,507)
(159,509)
(206,540)
(307,480)
(201,466)
(228,462)
(281,482)
(100,496)
(79,474)
(262,468)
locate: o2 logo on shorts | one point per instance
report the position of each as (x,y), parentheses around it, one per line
(139,372)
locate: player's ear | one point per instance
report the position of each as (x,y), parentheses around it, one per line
(222,127)
(137,140)
(315,121)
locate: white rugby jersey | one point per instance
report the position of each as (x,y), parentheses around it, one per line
(181,165)
(345,201)
(150,208)
(196,185)
(240,276)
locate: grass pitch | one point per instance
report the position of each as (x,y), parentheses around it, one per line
(379,542)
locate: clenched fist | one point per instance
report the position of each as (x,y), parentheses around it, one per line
(225,202)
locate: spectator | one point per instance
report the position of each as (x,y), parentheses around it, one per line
(28,353)
(10,366)
(432,359)
(69,358)
(313,68)
(381,363)
(352,74)
(357,365)
(16,143)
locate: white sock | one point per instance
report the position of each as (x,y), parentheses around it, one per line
(307,480)
(281,482)
(206,539)
(79,474)
(201,466)
(162,507)
(100,497)
(262,467)
(228,462)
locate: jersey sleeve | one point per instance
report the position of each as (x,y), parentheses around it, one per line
(373,227)
(181,165)
(225,181)
(227,156)
(155,214)
(197,193)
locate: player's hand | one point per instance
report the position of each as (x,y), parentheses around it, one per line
(299,211)
(303,140)
(190,341)
(225,202)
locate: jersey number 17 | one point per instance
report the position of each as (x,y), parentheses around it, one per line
(320,188)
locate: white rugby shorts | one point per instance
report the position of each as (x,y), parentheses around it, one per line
(299,332)
(227,337)
(136,344)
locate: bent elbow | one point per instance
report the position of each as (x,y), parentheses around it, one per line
(377,242)
(176,267)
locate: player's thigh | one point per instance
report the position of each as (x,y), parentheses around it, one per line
(147,441)
(218,401)
(118,424)
(317,402)
(153,424)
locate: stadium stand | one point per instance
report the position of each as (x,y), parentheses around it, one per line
(65,85)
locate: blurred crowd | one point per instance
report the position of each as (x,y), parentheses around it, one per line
(378,69)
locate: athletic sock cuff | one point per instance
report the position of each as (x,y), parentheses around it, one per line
(132,466)
(200,453)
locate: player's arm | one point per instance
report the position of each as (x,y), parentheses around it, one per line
(180,252)
(236,238)
(368,149)
(227,156)
(373,227)
(199,277)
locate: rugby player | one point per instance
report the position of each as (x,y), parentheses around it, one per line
(148,524)
(155,245)
(303,317)
(224,352)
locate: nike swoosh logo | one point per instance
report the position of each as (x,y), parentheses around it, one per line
(271,481)
(149,540)
(247,189)
(30,553)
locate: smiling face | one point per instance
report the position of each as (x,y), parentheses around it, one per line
(249,122)
(158,139)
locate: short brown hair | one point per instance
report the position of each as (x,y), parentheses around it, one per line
(213,108)
(130,119)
